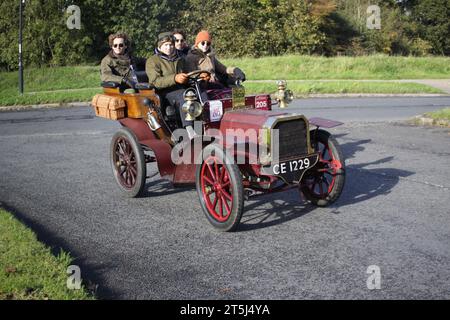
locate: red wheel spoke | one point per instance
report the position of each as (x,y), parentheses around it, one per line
(133,179)
(215,181)
(215,201)
(222,175)
(221,206)
(121,150)
(133,170)
(208,180)
(227,207)
(227,195)
(226,184)
(127,176)
(211,172)
(216,169)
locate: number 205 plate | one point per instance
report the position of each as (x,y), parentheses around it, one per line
(291,170)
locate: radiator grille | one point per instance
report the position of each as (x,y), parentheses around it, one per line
(292,138)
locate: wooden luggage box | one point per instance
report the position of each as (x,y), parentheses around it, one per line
(115,105)
(108,107)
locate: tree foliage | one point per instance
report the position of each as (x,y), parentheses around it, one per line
(239,27)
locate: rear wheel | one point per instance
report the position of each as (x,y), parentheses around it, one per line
(128,162)
(220,190)
(323,184)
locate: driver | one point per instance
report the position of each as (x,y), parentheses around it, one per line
(165,73)
(202,57)
(119,65)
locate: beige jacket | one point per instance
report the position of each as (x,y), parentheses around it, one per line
(197,60)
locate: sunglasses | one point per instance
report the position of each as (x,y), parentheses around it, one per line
(205,43)
(120,45)
(179,40)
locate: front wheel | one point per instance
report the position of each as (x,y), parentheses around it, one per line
(323,184)
(219,187)
(128,162)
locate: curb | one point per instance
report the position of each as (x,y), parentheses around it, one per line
(374,95)
(304,96)
(45,106)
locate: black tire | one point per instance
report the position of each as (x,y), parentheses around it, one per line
(128,163)
(329,172)
(224,214)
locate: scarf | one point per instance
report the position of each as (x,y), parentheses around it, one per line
(174,57)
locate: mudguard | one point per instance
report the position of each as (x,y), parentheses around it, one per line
(324,123)
(161,148)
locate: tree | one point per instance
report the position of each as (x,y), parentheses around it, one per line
(430,19)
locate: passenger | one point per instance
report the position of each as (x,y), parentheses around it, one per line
(165,73)
(202,57)
(119,65)
(181,43)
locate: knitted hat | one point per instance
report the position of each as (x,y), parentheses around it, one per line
(202,36)
(165,37)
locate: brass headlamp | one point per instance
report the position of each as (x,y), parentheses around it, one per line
(283,96)
(191,106)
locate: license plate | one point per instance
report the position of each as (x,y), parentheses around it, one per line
(291,170)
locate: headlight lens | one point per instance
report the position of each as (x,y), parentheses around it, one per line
(193,109)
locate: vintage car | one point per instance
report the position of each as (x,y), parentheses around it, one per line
(238,148)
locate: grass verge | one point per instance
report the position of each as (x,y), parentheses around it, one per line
(28,270)
(291,67)
(338,87)
(64,96)
(443,114)
(299,89)
(80,83)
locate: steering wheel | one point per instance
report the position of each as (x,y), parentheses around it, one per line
(195,75)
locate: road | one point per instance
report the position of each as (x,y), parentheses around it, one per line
(393,213)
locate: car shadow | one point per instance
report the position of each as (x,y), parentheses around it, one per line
(362,184)
(161,187)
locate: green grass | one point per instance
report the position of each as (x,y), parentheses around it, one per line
(52,78)
(13,98)
(443,114)
(80,83)
(337,87)
(381,67)
(299,89)
(28,270)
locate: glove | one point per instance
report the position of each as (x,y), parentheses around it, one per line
(205,76)
(181,78)
(128,82)
(239,74)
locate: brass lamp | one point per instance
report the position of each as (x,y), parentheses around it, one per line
(283,96)
(191,106)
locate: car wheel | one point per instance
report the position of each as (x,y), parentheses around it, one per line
(220,190)
(128,162)
(323,184)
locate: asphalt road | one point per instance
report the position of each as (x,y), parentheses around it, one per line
(394,213)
